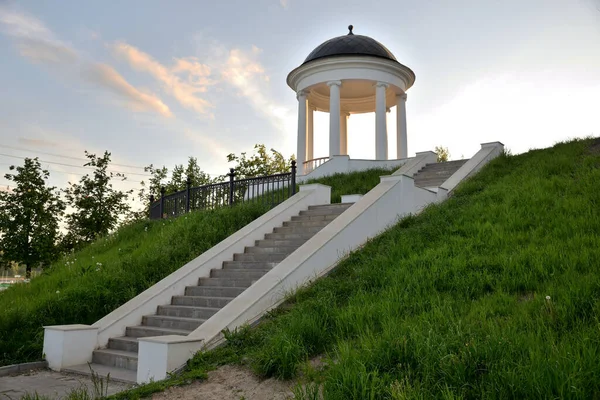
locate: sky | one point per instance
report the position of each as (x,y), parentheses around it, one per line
(155,82)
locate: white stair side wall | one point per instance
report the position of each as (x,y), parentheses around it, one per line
(487,152)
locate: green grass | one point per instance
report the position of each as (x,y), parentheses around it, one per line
(353,183)
(493,294)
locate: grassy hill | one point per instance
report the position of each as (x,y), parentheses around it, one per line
(493,294)
(88,284)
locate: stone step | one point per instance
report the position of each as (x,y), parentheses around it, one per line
(139,331)
(116,374)
(441,179)
(124,343)
(289,236)
(248,265)
(187,311)
(306,223)
(432,178)
(433,174)
(312,230)
(201,301)
(227,282)
(326,217)
(330,206)
(214,291)
(115,358)
(244,273)
(280,242)
(270,249)
(322,211)
(163,321)
(260,257)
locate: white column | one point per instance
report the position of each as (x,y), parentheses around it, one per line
(401,137)
(301,154)
(310,147)
(344,132)
(334,117)
(380,122)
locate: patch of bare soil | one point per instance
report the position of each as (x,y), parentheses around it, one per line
(230,382)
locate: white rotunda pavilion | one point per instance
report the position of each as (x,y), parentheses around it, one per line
(347,75)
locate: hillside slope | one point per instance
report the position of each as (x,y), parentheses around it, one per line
(493,294)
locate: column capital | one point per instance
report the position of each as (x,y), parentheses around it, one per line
(387,110)
(382,84)
(300,93)
(334,83)
(401,96)
(312,107)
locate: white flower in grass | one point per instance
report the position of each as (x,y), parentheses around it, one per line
(146,229)
(99,264)
(58,291)
(97,269)
(548,298)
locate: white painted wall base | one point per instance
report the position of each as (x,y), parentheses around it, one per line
(157,356)
(344,164)
(351,198)
(67,345)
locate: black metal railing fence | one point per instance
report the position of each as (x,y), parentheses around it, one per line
(270,190)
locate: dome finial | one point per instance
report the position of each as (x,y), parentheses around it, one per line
(350,27)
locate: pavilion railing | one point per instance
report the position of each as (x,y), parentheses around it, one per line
(313,164)
(270,190)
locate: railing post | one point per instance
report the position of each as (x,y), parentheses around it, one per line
(293,177)
(187,194)
(150,208)
(162,202)
(231,174)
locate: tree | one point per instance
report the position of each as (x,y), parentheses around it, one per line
(98,207)
(443,154)
(29,217)
(177,182)
(260,163)
(180,175)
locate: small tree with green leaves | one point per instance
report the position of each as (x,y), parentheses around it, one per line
(98,206)
(29,218)
(262,162)
(443,154)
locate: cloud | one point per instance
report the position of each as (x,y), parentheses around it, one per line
(106,76)
(243,71)
(284,3)
(185,92)
(37,142)
(40,45)
(34,40)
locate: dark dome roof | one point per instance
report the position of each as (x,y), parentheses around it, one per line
(350,44)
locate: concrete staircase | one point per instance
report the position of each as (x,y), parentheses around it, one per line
(433,175)
(189,310)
